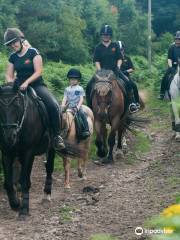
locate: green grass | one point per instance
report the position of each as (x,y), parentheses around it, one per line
(174,181)
(142,143)
(66,213)
(102,236)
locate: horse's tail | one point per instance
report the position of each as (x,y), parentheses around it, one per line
(135,122)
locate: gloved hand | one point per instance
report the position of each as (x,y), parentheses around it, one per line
(74,110)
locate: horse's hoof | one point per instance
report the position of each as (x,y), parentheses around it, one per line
(23,214)
(15,205)
(107,161)
(46,198)
(119,153)
(67,187)
(84,178)
(177,137)
(80,175)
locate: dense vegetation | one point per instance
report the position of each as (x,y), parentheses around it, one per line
(69,30)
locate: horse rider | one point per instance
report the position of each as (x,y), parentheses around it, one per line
(25,69)
(127,68)
(74,97)
(108,56)
(173,56)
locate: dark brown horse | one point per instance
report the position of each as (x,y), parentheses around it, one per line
(108,104)
(22,136)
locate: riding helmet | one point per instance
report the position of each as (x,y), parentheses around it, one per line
(106,30)
(177,35)
(12,35)
(74,73)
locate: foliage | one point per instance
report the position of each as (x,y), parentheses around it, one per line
(169,222)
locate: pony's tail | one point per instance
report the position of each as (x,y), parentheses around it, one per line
(71,150)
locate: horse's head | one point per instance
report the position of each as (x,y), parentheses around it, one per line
(103,92)
(12,111)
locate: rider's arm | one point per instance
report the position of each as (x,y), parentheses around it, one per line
(169,62)
(80,102)
(10,73)
(98,66)
(37,62)
(119,63)
(64,101)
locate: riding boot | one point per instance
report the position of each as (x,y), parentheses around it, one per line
(133,106)
(57,139)
(165,83)
(85,127)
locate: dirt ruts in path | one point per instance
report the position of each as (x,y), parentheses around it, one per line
(129,194)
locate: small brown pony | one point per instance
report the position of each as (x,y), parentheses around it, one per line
(68,126)
(108,105)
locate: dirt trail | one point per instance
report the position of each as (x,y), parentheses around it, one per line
(129,195)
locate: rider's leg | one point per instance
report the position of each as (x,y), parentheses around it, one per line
(136,93)
(85,130)
(132,107)
(54,114)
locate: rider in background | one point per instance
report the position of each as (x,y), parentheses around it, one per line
(25,69)
(127,68)
(108,56)
(173,55)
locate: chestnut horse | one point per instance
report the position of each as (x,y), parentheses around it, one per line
(68,125)
(108,105)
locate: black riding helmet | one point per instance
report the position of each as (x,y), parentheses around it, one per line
(106,30)
(177,35)
(12,35)
(74,73)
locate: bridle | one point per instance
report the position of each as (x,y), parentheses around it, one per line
(19,124)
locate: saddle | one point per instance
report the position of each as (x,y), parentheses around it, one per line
(40,105)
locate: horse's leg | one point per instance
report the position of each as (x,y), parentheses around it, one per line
(172,117)
(66,163)
(101,135)
(111,139)
(49,170)
(80,172)
(176,115)
(122,144)
(7,162)
(83,166)
(25,181)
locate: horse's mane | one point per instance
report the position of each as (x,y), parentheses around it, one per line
(7,88)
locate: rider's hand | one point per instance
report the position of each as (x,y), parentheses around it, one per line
(74,110)
(24,86)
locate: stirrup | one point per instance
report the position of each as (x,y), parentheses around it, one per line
(59,143)
(133,108)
